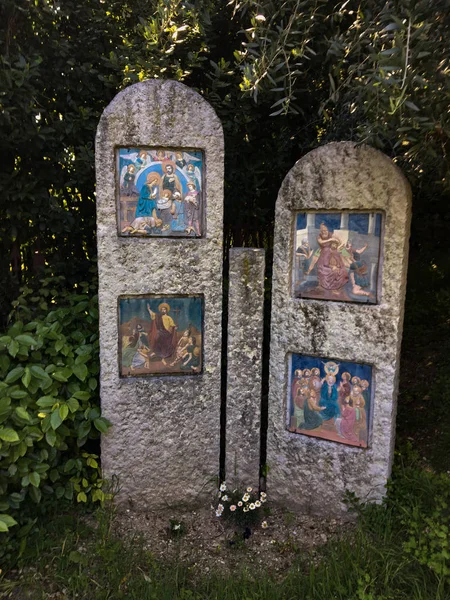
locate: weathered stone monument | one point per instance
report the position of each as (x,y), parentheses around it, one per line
(159,164)
(244,366)
(339,279)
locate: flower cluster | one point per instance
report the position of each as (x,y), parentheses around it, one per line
(235,502)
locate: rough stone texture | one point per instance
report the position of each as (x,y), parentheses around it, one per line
(164,443)
(244,366)
(310,474)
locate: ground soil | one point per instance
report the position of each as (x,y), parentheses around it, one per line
(209,543)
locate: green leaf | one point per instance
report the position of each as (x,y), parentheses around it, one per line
(84,429)
(50,436)
(23,413)
(18,394)
(26,379)
(98,495)
(82,395)
(92,383)
(63,411)
(59,376)
(81,497)
(13,348)
(14,375)
(9,521)
(46,401)
(8,435)
(35,494)
(73,404)
(35,479)
(92,463)
(55,419)
(3,527)
(26,339)
(101,424)
(38,372)
(81,371)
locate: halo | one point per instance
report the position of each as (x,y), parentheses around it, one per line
(155,175)
(165,162)
(331,368)
(164,305)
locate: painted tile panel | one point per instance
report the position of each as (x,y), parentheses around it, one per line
(160,335)
(337,256)
(330,399)
(160,192)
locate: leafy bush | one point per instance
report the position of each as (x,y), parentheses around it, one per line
(49,402)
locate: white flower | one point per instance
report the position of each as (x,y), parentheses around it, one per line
(239,503)
(245,497)
(225,498)
(218,513)
(263,495)
(264,525)
(260,18)
(258,503)
(246,509)
(233,507)
(223,487)
(249,489)
(252,506)
(263,499)
(220,507)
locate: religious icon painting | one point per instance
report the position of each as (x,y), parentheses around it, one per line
(160,335)
(330,399)
(160,192)
(337,256)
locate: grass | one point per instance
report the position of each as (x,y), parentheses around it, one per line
(393,554)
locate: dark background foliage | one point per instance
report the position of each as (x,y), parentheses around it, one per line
(284,77)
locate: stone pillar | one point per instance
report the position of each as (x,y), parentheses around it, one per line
(244,367)
(164,406)
(313,460)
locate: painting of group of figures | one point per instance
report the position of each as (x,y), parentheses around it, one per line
(160,335)
(160,192)
(337,256)
(330,399)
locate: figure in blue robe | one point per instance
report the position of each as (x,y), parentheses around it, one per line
(147,202)
(360,271)
(329,400)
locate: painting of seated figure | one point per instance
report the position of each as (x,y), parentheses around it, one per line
(337,256)
(160,192)
(330,399)
(160,335)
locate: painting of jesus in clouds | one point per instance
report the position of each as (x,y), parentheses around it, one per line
(160,192)
(160,335)
(337,256)
(330,399)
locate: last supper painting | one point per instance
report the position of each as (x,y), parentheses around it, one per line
(160,335)
(337,256)
(330,399)
(160,192)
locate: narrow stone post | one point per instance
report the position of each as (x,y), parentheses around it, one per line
(339,278)
(159,168)
(244,367)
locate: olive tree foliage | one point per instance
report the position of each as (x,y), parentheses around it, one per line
(283,76)
(61,63)
(382,70)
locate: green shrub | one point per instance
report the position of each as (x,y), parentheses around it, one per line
(49,402)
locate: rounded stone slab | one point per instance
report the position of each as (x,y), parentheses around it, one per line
(310,473)
(164,442)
